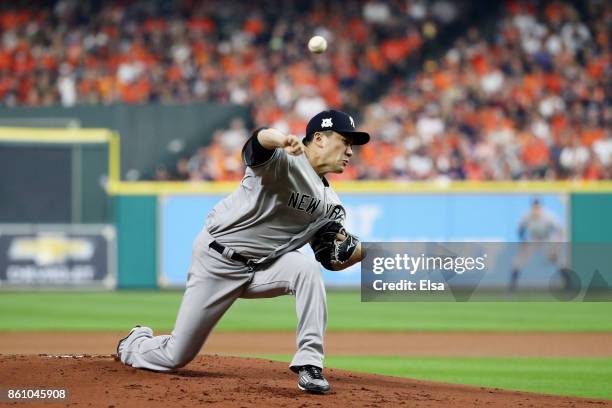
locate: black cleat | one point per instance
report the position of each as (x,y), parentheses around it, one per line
(311,379)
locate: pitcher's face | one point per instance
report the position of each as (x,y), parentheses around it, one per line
(337,152)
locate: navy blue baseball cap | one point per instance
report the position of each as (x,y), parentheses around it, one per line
(337,121)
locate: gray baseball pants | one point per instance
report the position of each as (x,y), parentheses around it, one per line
(213,284)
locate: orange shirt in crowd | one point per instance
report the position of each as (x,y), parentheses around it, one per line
(6,60)
(558,124)
(203,24)
(136,92)
(532,84)
(589,136)
(397,49)
(155,25)
(535,152)
(553,12)
(375,58)
(261,82)
(253,26)
(302,74)
(86,86)
(357,30)
(597,67)
(329,90)
(297,125)
(473,171)
(553,82)
(215,155)
(480,64)
(379,156)
(442,80)
(593,171)
(12,19)
(23,63)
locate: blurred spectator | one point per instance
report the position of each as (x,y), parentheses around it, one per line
(198,164)
(196,51)
(161,173)
(182,170)
(220,160)
(529,100)
(529,103)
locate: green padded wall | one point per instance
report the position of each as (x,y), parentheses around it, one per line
(592,241)
(591,217)
(136,220)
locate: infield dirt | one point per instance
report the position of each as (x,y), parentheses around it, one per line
(211,380)
(94,379)
(428,344)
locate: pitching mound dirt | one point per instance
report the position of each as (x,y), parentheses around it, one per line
(100,381)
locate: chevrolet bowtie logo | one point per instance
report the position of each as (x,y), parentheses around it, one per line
(50,249)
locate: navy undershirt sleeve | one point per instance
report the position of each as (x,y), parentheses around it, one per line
(253,153)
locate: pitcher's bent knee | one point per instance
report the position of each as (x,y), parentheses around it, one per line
(181,360)
(180,356)
(310,270)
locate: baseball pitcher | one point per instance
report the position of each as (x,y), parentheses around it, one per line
(249,247)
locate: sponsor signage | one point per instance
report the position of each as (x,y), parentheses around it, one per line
(57,256)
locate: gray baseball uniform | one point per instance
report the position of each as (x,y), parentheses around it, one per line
(543,227)
(539,231)
(279,205)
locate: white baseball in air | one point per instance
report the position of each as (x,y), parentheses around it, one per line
(317,44)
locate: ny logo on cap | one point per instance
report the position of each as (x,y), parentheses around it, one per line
(352,121)
(327,123)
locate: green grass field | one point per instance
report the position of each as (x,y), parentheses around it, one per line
(588,377)
(579,377)
(103,311)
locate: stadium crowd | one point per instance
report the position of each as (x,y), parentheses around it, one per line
(529,101)
(184,51)
(532,102)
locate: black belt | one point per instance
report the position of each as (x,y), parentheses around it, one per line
(230,253)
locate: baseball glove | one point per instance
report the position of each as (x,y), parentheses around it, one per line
(330,250)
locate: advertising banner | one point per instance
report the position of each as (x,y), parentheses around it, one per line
(57,256)
(465,217)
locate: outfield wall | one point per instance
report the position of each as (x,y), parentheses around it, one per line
(147,130)
(157,222)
